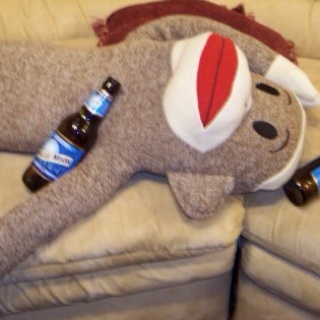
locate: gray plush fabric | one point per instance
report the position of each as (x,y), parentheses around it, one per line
(179,27)
(41,85)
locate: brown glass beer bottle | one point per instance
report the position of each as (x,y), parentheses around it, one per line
(305,184)
(73,138)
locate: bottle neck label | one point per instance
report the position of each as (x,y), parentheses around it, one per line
(56,157)
(98,103)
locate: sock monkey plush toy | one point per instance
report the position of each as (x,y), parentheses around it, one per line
(214,110)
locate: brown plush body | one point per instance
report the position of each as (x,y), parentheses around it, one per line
(43,84)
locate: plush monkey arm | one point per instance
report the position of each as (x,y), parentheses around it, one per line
(40,86)
(56,207)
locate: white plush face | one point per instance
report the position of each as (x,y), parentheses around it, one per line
(209,92)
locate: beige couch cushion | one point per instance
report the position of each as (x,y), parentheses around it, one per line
(287,231)
(281,252)
(285,279)
(273,221)
(54,19)
(254,302)
(139,241)
(60,19)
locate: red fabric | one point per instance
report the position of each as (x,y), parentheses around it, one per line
(217,68)
(118,24)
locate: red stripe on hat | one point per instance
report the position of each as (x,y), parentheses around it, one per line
(216,72)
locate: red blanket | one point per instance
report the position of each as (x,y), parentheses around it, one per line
(118,24)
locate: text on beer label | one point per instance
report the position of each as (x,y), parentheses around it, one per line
(56,157)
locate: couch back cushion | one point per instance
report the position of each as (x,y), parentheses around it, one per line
(59,19)
(296,20)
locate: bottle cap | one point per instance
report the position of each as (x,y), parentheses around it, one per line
(294,193)
(111,85)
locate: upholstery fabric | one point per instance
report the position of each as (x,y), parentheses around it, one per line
(47,291)
(283,229)
(265,304)
(288,280)
(140,241)
(199,300)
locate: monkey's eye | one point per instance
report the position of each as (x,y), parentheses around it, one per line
(265,129)
(268,89)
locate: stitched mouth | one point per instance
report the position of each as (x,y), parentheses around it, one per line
(284,144)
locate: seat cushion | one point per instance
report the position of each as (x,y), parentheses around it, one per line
(288,236)
(286,279)
(139,241)
(287,231)
(276,224)
(254,302)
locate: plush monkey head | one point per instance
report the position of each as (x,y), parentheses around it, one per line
(247,130)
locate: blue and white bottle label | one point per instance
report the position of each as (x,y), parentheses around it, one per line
(56,157)
(98,103)
(316,176)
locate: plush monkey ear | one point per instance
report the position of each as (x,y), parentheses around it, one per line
(289,76)
(199,195)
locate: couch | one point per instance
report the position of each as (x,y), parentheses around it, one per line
(139,257)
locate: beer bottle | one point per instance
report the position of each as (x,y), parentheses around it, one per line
(305,183)
(73,138)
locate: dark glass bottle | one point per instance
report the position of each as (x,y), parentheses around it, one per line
(305,183)
(73,138)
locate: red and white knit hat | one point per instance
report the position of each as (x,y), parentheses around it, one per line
(209,92)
